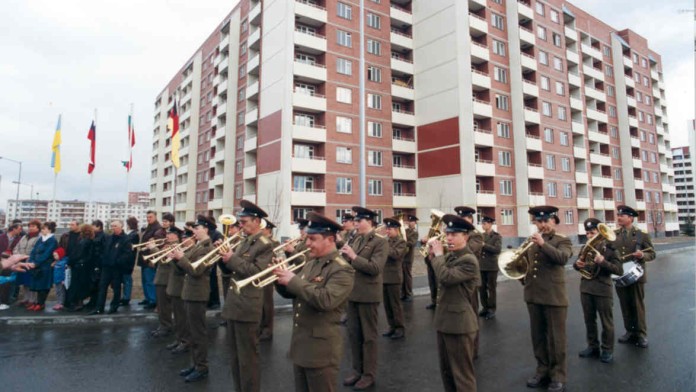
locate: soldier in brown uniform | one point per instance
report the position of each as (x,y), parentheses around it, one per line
(492,245)
(291,249)
(346,235)
(320,292)
(268,311)
(475,244)
(195,294)
(367,253)
(547,299)
(164,302)
(632,241)
(243,310)
(224,272)
(411,242)
(392,279)
(175,284)
(596,295)
(455,318)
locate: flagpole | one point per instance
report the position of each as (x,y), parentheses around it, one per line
(91,175)
(56,162)
(130,154)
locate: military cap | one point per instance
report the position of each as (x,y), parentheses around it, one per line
(626,210)
(392,222)
(543,212)
(301,223)
(457,224)
(556,219)
(591,224)
(347,217)
(487,219)
(251,209)
(363,213)
(411,218)
(269,224)
(168,216)
(205,221)
(175,230)
(463,211)
(319,224)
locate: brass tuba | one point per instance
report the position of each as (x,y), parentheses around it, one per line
(589,251)
(514,263)
(434,231)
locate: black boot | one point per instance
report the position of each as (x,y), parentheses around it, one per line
(590,352)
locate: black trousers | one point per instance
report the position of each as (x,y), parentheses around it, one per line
(110,276)
(432,281)
(489,280)
(214,298)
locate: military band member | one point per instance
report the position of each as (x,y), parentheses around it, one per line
(367,253)
(243,311)
(175,285)
(632,241)
(547,299)
(492,245)
(195,294)
(164,302)
(393,275)
(348,231)
(291,249)
(268,311)
(596,296)
(475,244)
(320,292)
(455,318)
(411,242)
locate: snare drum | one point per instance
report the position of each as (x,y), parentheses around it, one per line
(632,272)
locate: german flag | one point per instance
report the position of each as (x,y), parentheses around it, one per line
(173,126)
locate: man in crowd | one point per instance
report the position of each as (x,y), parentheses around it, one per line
(153,232)
(411,242)
(115,258)
(8,241)
(492,245)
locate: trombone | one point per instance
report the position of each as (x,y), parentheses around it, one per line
(266,277)
(214,255)
(156,242)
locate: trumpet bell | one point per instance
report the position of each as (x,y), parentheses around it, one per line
(511,265)
(227,220)
(606,232)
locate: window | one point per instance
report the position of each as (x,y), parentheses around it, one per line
(499,48)
(646,81)
(644,155)
(374,129)
(344,95)
(238,192)
(303,184)
(374,74)
(241,94)
(374,47)
(240,142)
(242,48)
(651,138)
(305,120)
(565,140)
(551,162)
(619,195)
(374,158)
(557,64)
(642,136)
(647,100)
(506,187)
(639,95)
(565,164)
(497,21)
(548,135)
(545,83)
(612,111)
(539,8)
(344,66)
(610,91)
(500,74)
(614,132)
(374,21)
(541,32)
(551,189)
(306,89)
(556,39)
(344,124)
(344,11)
(615,152)
(303,151)
(636,77)
(648,197)
(344,38)
(503,130)
(562,113)
(374,101)
(644,62)
(567,191)
(374,187)
(344,185)
(501,102)
(641,117)
(560,88)
(240,118)
(504,158)
(555,16)
(657,197)
(635,58)
(569,217)
(546,109)
(646,176)
(650,119)
(543,57)
(506,217)
(609,70)
(305,58)
(617,174)
(238,167)
(344,155)
(245,26)
(242,71)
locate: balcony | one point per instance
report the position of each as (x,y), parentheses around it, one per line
(570,33)
(477,25)
(483,138)
(603,204)
(576,104)
(533,143)
(627,62)
(250,172)
(583,202)
(252,90)
(664,169)
(314,165)
(656,92)
(404,173)
(486,199)
(530,88)
(251,117)
(574,80)
(658,111)
(531,116)
(305,133)
(253,65)
(600,159)
(537,199)
(485,168)
(224,63)
(527,36)
(535,171)
(309,72)
(661,149)
(580,152)
(402,117)
(310,14)
(479,53)
(250,144)
(640,205)
(581,177)
(401,41)
(637,163)
(598,137)
(310,43)
(255,15)
(635,142)
(403,145)
(590,51)
(309,102)
(639,184)
(602,181)
(525,11)
(398,14)
(632,121)
(593,72)
(630,82)
(254,40)
(660,130)
(654,75)
(596,94)
(631,101)
(594,114)
(217,180)
(402,65)
(308,197)
(482,109)
(403,92)
(572,57)
(405,200)
(528,62)
(480,80)
(221,109)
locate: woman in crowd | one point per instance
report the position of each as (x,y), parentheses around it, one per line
(81,269)
(41,258)
(24,247)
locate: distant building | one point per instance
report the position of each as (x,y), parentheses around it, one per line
(684,181)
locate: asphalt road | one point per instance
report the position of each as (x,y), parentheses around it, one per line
(121,357)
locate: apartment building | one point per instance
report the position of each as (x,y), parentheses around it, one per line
(501,105)
(684,182)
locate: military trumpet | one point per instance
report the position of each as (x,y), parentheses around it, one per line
(156,242)
(266,277)
(214,255)
(164,258)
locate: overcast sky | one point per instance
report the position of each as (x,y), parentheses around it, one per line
(72,56)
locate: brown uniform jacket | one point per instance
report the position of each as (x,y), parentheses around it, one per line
(226,273)
(457,275)
(492,244)
(412,242)
(475,243)
(372,251)
(544,283)
(393,272)
(320,291)
(635,239)
(347,237)
(252,256)
(197,281)
(163,271)
(175,284)
(601,285)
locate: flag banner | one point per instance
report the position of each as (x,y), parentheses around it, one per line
(55,148)
(92,137)
(131,143)
(173,126)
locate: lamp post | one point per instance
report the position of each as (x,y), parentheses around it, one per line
(19,181)
(31,194)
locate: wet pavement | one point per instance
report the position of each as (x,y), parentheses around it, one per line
(122,357)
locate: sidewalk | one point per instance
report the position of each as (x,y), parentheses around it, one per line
(134,313)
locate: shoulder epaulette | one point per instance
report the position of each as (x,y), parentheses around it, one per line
(561,235)
(264,240)
(339,260)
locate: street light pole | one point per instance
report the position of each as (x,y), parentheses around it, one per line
(19,181)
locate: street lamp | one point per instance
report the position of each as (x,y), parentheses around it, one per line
(19,180)
(31,194)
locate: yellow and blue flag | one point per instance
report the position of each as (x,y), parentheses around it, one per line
(55,148)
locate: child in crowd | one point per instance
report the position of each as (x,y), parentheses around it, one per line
(59,264)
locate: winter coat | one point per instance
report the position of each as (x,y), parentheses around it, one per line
(42,257)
